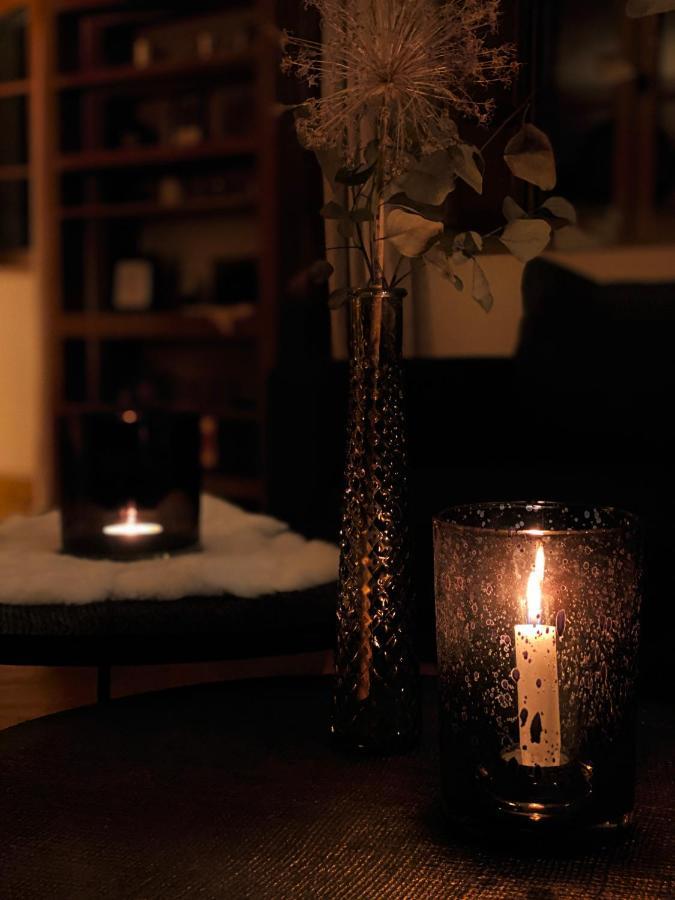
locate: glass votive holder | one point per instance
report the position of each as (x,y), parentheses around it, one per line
(537,626)
(129,484)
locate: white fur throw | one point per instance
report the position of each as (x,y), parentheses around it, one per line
(243,554)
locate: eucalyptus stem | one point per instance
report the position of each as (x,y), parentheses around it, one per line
(394,281)
(516,112)
(402,278)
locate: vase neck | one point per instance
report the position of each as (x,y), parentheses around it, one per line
(376,325)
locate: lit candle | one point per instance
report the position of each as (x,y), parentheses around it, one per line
(130,527)
(537,674)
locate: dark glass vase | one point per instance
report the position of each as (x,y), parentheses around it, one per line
(377,703)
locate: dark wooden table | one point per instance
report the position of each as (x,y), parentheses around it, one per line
(145,632)
(229,791)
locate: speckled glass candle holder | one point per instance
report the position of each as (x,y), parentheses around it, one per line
(537,628)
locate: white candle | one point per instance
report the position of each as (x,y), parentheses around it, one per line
(130,527)
(537,667)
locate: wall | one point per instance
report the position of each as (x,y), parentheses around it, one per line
(20,371)
(448,322)
(441,321)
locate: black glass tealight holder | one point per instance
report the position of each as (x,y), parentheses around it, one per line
(130,484)
(537,609)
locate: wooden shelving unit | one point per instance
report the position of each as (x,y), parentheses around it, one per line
(182,191)
(15,85)
(145,133)
(14,152)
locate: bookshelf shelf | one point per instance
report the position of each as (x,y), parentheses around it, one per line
(120,76)
(149,326)
(15,88)
(14,172)
(148,156)
(153,210)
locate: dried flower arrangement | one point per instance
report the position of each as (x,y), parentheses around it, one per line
(396,74)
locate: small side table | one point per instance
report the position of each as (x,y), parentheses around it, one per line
(145,632)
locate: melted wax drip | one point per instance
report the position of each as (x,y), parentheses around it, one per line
(536,729)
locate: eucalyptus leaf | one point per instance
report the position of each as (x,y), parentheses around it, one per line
(467,164)
(320,271)
(362,214)
(333,210)
(529,155)
(410,233)
(512,210)
(460,258)
(430,180)
(468,242)
(480,290)
(338,298)
(526,238)
(433,213)
(446,242)
(561,209)
(353,177)
(442,262)
(638,8)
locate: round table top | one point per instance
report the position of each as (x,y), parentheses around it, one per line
(234,790)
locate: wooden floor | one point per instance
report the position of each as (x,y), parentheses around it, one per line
(27,692)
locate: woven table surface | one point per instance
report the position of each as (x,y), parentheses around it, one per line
(229,791)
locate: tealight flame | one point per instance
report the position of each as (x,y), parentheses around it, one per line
(130,527)
(534,583)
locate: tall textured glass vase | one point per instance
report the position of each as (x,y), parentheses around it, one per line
(377,703)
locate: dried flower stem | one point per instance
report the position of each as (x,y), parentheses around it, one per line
(377,250)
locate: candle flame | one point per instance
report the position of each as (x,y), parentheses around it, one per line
(130,527)
(534,583)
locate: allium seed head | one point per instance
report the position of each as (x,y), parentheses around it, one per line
(405,68)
